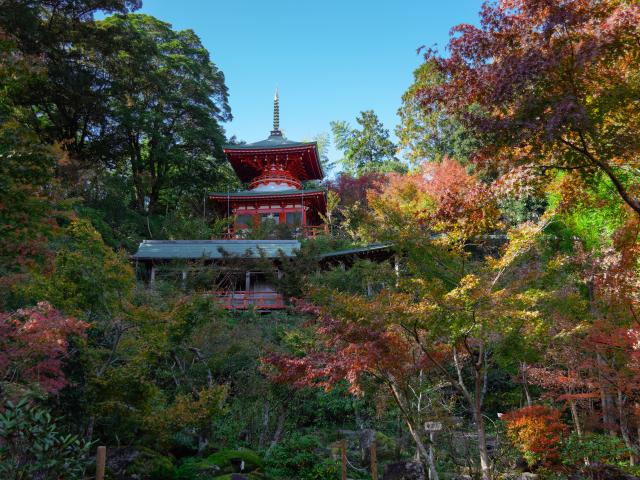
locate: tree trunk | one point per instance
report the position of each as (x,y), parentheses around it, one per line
(608,422)
(424,453)
(525,383)
(624,429)
(480,386)
(265,425)
(485,463)
(278,432)
(574,416)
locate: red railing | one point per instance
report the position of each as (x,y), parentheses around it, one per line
(242,300)
(312,231)
(307,231)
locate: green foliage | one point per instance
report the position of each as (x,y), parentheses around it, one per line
(366,150)
(363,277)
(598,448)
(150,465)
(167,102)
(429,133)
(596,214)
(219,465)
(34,446)
(27,207)
(298,458)
(89,279)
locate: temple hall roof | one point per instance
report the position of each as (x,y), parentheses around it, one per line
(214,249)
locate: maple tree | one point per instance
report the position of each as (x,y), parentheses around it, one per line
(537,431)
(34,343)
(550,85)
(446,316)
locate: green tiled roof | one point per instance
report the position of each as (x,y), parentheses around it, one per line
(263,193)
(214,249)
(274,141)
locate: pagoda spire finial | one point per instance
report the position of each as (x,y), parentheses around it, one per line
(276,115)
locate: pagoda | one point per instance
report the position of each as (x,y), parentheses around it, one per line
(274,170)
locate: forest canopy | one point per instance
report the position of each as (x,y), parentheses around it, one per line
(504,309)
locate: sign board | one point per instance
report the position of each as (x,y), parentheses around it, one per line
(433,426)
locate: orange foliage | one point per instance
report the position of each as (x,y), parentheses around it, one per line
(536,431)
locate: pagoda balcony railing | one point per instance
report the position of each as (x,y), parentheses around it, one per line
(276,177)
(246,300)
(306,231)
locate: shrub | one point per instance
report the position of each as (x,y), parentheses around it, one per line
(33,447)
(537,432)
(299,458)
(598,448)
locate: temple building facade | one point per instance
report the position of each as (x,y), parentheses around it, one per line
(265,225)
(275,170)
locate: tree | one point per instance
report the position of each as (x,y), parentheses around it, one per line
(448,315)
(551,85)
(537,431)
(34,343)
(366,150)
(34,446)
(167,102)
(431,133)
(63,98)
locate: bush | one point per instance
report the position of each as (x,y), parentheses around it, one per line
(218,465)
(299,458)
(33,447)
(537,432)
(150,465)
(598,448)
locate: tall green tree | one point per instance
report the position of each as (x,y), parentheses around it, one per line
(427,131)
(368,149)
(63,95)
(167,103)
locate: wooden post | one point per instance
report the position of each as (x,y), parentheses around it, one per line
(343,454)
(101,460)
(374,461)
(152,276)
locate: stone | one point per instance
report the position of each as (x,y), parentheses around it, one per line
(404,471)
(602,472)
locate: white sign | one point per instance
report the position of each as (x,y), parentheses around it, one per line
(433,426)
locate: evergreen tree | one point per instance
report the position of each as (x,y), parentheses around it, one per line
(368,149)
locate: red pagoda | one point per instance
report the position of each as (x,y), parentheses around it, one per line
(274,170)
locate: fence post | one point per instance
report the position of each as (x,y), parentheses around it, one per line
(343,454)
(374,461)
(101,460)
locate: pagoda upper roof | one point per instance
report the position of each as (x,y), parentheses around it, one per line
(274,141)
(250,159)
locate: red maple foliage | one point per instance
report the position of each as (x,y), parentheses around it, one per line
(542,82)
(34,343)
(537,431)
(354,189)
(348,351)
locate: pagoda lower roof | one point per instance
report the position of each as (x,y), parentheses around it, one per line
(268,194)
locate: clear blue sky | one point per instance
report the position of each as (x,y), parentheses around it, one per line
(330,59)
